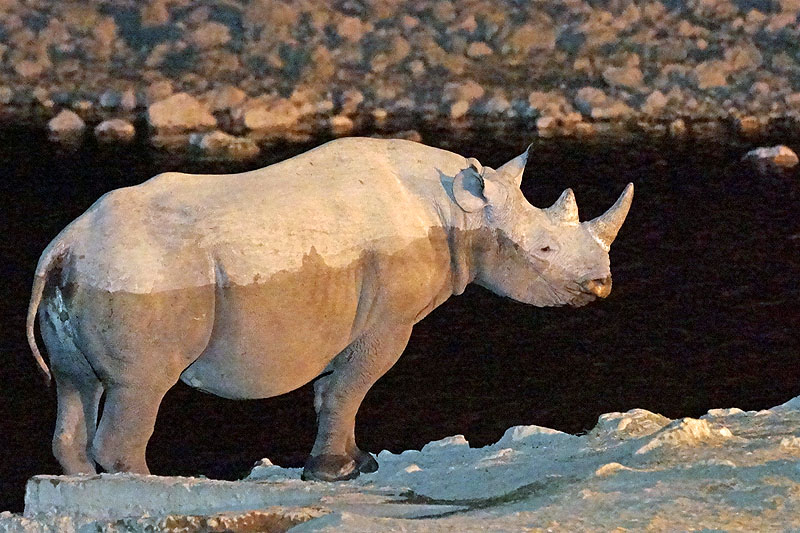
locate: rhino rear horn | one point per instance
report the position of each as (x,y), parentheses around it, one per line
(512,171)
(565,209)
(604,228)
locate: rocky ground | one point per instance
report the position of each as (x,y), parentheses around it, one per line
(264,69)
(730,470)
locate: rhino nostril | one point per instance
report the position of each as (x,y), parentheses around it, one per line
(599,287)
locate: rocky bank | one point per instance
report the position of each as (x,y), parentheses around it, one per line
(269,69)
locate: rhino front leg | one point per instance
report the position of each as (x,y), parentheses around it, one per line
(364,461)
(338,396)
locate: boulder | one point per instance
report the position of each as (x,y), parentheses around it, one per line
(66,123)
(180,112)
(459,109)
(222,145)
(629,76)
(270,115)
(224,98)
(479,49)
(210,35)
(593,102)
(128,100)
(774,157)
(115,129)
(110,99)
(342,125)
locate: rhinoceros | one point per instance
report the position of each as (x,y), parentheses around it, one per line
(316,269)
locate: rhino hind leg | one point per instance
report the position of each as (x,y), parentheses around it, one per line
(78,394)
(129,416)
(338,396)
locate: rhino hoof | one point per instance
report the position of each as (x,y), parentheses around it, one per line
(330,468)
(366,462)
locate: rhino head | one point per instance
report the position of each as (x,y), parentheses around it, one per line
(543,257)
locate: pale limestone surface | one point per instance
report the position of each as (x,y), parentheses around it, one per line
(730,470)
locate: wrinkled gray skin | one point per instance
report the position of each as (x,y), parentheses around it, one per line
(251,285)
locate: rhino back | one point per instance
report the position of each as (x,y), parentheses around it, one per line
(334,203)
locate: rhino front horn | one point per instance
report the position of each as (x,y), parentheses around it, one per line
(565,210)
(604,228)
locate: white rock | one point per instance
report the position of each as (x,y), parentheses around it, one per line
(633,424)
(447,442)
(778,156)
(115,129)
(687,432)
(688,475)
(66,123)
(180,112)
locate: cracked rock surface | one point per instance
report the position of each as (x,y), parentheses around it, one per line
(729,470)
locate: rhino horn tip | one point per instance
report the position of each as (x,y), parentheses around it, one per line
(605,227)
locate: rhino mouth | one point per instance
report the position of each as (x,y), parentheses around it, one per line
(579,296)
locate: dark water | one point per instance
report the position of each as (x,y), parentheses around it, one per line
(704,311)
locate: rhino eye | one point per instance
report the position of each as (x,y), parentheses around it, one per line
(545,249)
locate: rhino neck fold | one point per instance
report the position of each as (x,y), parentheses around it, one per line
(462,236)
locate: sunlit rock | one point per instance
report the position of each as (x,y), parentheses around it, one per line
(115,129)
(224,145)
(66,123)
(772,157)
(266,114)
(633,424)
(732,470)
(179,112)
(688,432)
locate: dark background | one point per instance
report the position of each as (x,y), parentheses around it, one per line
(704,311)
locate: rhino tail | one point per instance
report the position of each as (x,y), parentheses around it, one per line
(51,256)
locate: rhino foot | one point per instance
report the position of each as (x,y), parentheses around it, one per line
(365,462)
(330,468)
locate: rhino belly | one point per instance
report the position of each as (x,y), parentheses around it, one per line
(273,336)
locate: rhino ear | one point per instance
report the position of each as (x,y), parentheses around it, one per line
(468,190)
(512,171)
(473,192)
